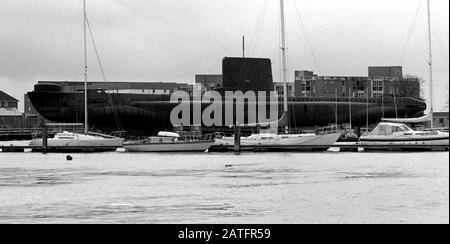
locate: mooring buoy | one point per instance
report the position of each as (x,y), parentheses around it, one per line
(69,158)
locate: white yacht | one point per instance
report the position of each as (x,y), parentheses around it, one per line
(272,139)
(269,138)
(386,134)
(83,142)
(169,142)
(89,141)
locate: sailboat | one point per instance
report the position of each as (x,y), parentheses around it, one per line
(395,132)
(88,141)
(270,138)
(170,142)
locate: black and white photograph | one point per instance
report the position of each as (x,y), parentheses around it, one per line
(224,113)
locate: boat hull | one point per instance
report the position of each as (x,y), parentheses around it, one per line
(58,145)
(439,141)
(417,140)
(286,140)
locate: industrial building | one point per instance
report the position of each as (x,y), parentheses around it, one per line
(386,71)
(279,88)
(209,82)
(441,119)
(381,81)
(376,85)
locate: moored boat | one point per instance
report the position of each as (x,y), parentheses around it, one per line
(398,134)
(274,139)
(69,141)
(170,142)
(89,141)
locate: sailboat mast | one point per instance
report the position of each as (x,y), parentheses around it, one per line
(430,63)
(336,106)
(283,58)
(350,106)
(367,110)
(243,46)
(86,126)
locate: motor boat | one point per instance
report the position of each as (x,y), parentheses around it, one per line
(386,134)
(68,141)
(170,142)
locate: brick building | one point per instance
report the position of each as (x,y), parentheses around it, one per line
(386,71)
(279,88)
(308,84)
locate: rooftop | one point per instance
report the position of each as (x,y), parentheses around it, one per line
(119,85)
(6,98)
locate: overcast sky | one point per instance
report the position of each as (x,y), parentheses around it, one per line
(172,40)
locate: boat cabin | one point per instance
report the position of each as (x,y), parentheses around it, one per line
(65,136)
(163,137)
(386,129)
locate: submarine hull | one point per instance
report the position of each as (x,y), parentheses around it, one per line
(144,115)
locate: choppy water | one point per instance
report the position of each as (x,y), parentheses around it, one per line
(225,188)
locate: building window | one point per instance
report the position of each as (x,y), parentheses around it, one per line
(377,85)
(308,86)
(279,90)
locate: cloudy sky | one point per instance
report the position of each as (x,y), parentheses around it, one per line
(172,40)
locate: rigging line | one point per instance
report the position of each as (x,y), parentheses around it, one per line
(280,64)
(438,19)
(95,49)
(244,69)
(67,38)
(395,103)
(287,55)
(308,40)
(209,8)
(438,38)
(115,114)
(289,121)
(410,32)
(257,30)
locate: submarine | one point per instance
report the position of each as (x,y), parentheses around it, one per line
(140,114)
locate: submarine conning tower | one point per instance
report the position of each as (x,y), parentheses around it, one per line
(247,74)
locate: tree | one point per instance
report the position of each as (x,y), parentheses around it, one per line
(406,89)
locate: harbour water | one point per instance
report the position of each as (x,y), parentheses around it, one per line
(225,188)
